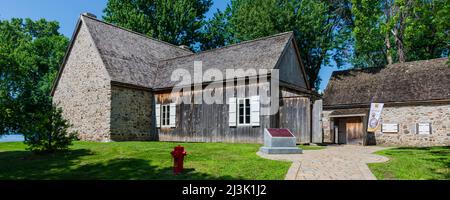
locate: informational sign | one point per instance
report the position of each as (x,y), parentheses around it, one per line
(424,128)
(389,128)
(374,116)
(279,141)
(280,132)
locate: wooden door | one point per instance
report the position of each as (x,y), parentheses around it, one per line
(342,136)
(354,129)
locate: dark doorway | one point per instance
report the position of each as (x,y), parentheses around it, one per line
(349,130)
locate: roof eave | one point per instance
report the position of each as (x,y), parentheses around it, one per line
(402,103)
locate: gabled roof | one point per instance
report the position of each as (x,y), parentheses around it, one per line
(136,60)
(402,82)
(262,53)
(130,58)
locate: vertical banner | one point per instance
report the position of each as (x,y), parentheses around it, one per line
(374,116)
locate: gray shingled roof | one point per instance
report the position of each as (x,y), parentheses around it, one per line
(262,53)
(403,82)
(134,59)
(129,57)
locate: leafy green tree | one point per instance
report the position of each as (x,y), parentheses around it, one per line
(369,47)
(321,28)
(175,21)
(412,30)
(217,32)
(427,31)
(30,54)
(48,132)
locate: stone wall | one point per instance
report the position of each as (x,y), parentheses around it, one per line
(83,91)
(326,124)
(131,114)
(407,117)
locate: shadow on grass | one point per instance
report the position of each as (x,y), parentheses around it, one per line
(69,166)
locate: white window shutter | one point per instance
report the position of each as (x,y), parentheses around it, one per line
(173,111)
(255,110)
(158,115)
(232,118)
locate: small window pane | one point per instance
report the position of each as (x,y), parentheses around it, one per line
(165,115)
(244,111)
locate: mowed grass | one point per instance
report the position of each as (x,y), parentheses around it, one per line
(139,161)
(427,163)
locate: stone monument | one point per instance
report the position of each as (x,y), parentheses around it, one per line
(279,141)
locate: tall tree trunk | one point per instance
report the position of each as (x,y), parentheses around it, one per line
(388,49)
(400,46)
(399,30)
(388,14)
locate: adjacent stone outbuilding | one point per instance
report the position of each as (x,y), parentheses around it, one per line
(416,111)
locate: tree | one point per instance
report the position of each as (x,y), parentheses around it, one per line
(217,31)
(30,54)
(321,28)
(48,132)
(427,34)
(369,47)
(412,30)
(175,21)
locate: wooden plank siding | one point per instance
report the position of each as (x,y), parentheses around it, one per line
(209,123)
(295,115)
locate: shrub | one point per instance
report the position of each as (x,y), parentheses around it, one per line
(49,132)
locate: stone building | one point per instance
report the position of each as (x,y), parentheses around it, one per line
(416,97)
(116,85)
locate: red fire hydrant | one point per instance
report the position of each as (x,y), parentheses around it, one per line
(178,155)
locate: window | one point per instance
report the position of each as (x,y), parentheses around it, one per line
(165,115)
(244,111)
(424,128)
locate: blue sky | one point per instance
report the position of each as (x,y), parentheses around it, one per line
(66,12)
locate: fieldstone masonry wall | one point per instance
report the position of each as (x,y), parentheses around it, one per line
(407,117)
(327,137)
(84,91)
(131,115)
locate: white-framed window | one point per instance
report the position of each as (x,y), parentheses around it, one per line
(243,111)
(424,128)
(165,115)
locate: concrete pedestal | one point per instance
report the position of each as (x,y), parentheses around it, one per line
(279,141)
(281,150)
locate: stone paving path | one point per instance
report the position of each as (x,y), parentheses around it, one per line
(346,162)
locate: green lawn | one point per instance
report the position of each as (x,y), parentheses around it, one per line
(139,160)
(414,164)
